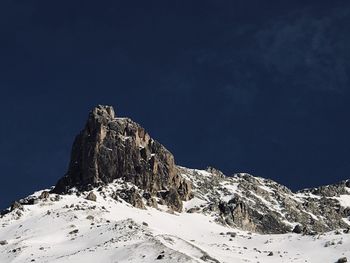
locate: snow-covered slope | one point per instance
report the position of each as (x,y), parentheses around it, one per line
(69,228)
(124,199)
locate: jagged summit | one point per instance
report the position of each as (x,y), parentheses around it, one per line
(109,148)
(103,112)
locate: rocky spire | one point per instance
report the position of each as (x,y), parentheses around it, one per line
(109,148)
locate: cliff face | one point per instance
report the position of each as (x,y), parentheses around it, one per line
(109,148)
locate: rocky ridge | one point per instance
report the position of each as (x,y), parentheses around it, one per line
(261,205)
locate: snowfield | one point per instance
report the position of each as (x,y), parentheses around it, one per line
(70,228)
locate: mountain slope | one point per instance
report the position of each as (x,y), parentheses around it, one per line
(70,228)
(123,199)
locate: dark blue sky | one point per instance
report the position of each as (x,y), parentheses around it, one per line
(244,86)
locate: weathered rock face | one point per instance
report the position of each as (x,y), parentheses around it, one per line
(334,190)
(239,213)
(133,198)
(264,206)
(109,148)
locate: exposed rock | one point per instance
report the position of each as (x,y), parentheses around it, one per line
(57,198)
(298,229)
(231,234)
(342,260)
(173,200)
(330,190)
(91,197)
(90,217)
(207,258)
(75,231)
(150,200)
(262,205)
(193,210)
(133,197)
(3,242)
(44,195)
(109,148)
(16,205)
(237,213)
(215,172)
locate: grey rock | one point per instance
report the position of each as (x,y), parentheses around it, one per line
(264,206)
(215,172)
(3,243)
(44,195)
(133,197)
(75,231)
(173,200)
(193,210)
(90,217)
(16,205)
(91,197)
(109,148)
(231,234)
(342,260)
(152,202)
(298,229)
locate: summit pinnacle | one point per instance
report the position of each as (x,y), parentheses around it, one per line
(109,148)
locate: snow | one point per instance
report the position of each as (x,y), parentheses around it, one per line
(194,202)
(121,233)
(266,188)
(232,188)
(203,173)
(344,200)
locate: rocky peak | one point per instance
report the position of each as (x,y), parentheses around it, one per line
(110,148)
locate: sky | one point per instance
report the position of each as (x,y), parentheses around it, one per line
(244,86)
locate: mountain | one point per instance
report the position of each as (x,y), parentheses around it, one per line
(124,199)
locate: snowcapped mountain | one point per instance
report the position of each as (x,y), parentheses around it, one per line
(123,199)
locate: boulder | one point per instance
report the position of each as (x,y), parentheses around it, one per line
(134,198)
(3,242)
(91,197)
(173,200)
(297,229)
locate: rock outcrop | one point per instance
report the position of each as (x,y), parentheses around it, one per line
(264,206)
(91,197)
(109,148)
